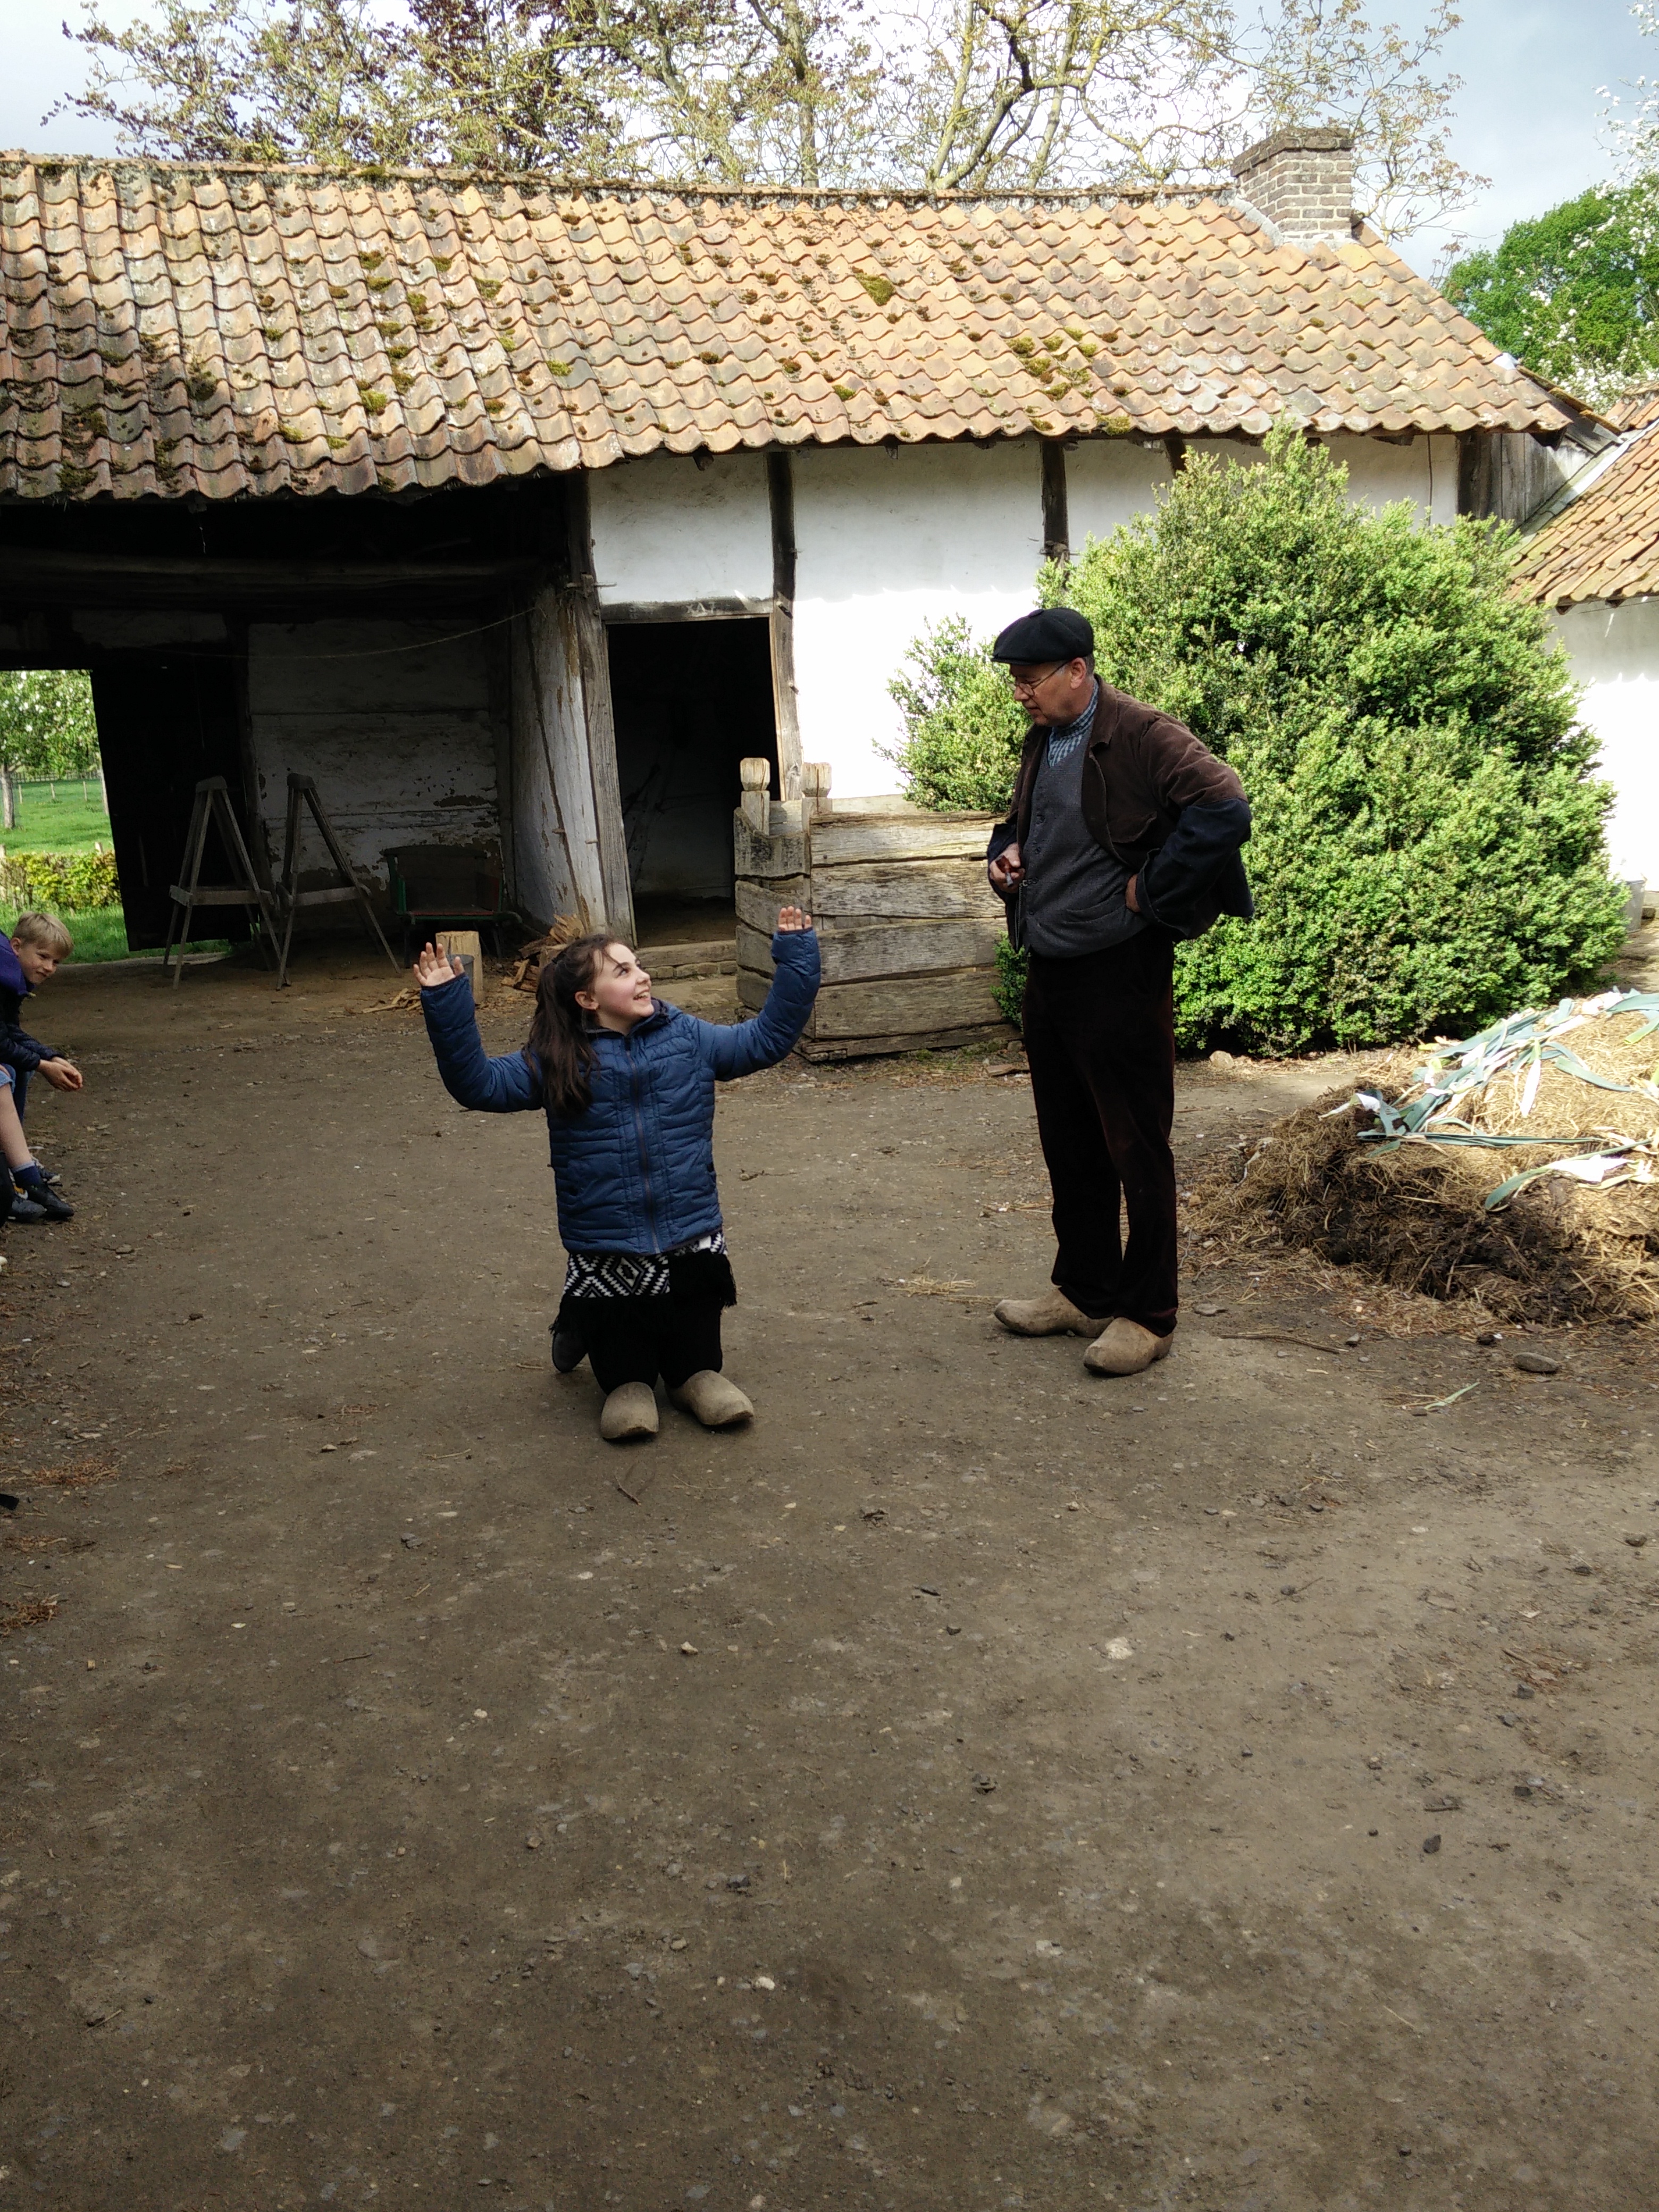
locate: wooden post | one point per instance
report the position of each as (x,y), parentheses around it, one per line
(780,499)
(467,947)
(756,775)
(816,805)
(594,657)
(1056,524)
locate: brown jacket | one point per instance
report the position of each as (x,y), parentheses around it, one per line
(1159,801)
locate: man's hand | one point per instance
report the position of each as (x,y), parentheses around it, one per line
(791,919)
(62,1074)
(1007,870)
(1129,898)
(434,968)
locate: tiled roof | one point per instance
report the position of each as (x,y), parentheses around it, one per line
(1604,543)
(230,331)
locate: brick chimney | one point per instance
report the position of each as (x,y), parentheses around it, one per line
(1301,182)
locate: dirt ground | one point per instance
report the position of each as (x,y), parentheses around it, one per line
(978,1785)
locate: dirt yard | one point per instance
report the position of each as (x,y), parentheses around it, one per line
(979,1785)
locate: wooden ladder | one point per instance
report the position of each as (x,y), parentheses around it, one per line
(212,808)
(302,791)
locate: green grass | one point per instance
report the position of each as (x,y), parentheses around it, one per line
(101,933)
(64,824)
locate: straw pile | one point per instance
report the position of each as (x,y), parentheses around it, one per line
(1519,1168)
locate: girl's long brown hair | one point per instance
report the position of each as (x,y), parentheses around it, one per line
(558,1045)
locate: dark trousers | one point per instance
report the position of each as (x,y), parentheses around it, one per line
(1100,1037)
(636,1339)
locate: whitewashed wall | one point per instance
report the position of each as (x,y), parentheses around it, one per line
(883,546)
(1110,480)
(397,730)
(1614,652)
(665,529)
(1379,473)
(887,543)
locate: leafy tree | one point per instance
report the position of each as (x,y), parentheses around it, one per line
(960,95)
(1427,851)
(1574,293)
(46,723)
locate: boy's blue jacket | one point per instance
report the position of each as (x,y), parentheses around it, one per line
(634,1173)
(17,1047)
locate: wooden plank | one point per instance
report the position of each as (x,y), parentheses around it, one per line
(813,1049)
(754,951)
(905,1004)
(754,854)
(758,903)
(910,948)
(752,989)
(212,894)
(689,952)
(911,890)
(899,837)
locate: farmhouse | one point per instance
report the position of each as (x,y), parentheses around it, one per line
(1594,560)
(519,515)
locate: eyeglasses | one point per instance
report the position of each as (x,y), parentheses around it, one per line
(1033,683)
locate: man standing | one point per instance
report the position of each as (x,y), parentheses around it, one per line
(1123,835)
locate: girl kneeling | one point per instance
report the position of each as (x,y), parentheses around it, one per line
(628,1086)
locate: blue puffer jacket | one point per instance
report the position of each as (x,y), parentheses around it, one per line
(634,1173)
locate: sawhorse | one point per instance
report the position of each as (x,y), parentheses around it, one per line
(302,792)
(212,807)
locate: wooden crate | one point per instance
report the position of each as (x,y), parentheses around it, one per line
(907,923)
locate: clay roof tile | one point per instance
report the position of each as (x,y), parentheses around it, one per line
(566,330)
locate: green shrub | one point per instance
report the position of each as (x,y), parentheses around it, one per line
(962,727)
(1009,989)
(60,881)
(1427,850)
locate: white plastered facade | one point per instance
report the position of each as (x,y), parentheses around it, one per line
(1614,651)
(665,530)
(887,543)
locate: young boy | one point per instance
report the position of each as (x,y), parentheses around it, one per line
(28,957)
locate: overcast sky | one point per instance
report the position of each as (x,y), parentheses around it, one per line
(1528,115)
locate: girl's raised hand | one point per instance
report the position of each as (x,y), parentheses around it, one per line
(790,918)
(432,967)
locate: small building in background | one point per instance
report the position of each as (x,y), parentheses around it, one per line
(1593,559)
(520,516)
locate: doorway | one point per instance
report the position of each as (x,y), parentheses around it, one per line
(165,721)
(691,699)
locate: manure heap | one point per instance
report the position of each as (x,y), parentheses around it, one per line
(1398,1177)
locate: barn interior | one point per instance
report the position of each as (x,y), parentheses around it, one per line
(364,641)
(690,700)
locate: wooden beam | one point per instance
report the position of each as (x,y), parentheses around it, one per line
(780,499)
(33,576)
(1056,524)
(593,656)
(621,611)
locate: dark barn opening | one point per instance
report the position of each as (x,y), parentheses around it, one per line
(691,699)
(165,721)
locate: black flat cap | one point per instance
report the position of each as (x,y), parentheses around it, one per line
(1050,634)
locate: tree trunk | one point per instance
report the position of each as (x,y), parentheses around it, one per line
(7,798)
(103,789)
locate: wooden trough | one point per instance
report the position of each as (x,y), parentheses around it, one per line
(907,923)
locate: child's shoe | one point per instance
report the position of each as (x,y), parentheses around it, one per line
(35,1191)
(20,1202)
(629,1412)
(709,1398)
